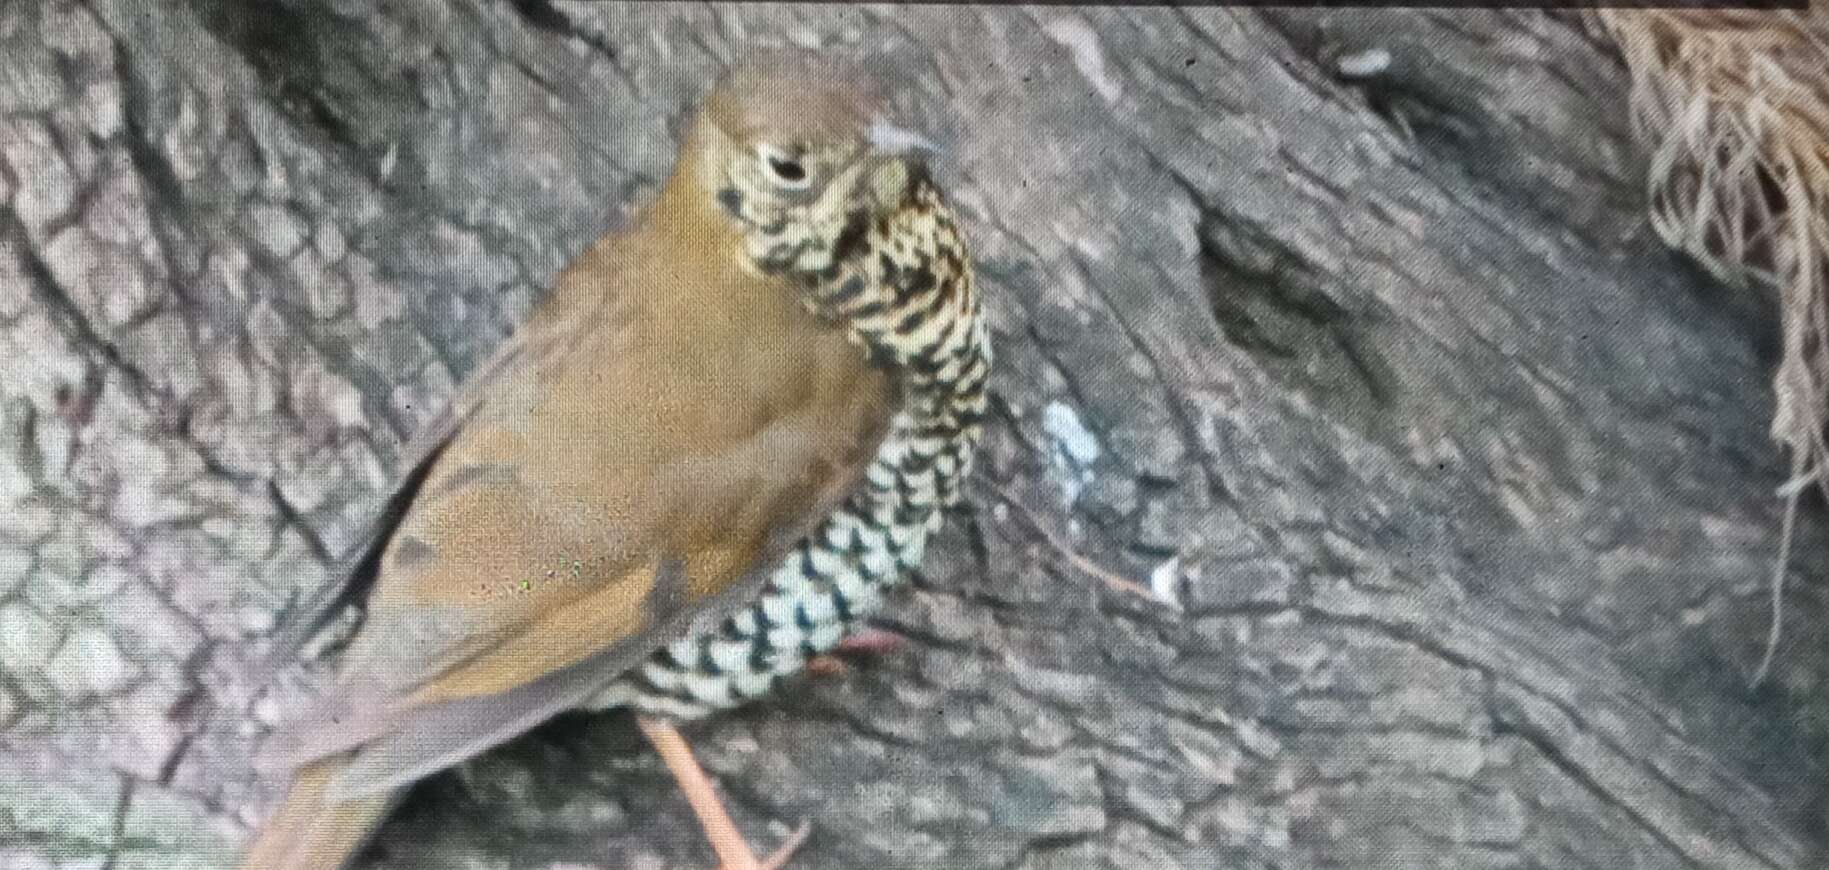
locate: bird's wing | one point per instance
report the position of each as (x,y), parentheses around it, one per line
(580,517)
(540,343)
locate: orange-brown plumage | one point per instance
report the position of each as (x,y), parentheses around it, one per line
(690,418)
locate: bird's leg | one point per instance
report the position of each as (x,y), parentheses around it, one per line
(732,850)
(873,641)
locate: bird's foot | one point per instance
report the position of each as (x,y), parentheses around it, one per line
(875,641)
(778,858)
(871,641)
(736,854)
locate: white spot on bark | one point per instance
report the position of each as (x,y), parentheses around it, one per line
(389,159)
(1082,42)
(1165,581)
(1364,64)
(1072,448)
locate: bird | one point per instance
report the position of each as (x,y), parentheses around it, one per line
(728,430)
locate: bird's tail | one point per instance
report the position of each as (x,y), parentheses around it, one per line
(310,831)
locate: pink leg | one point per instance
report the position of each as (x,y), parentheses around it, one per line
(873,641)
(732,850)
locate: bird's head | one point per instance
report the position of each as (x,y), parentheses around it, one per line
(799,153)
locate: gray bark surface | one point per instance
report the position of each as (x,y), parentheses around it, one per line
(1447,485)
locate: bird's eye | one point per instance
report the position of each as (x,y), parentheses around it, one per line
(788,171)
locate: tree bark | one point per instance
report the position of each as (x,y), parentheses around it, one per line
(1367,486)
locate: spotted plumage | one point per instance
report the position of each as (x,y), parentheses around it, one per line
(904,291)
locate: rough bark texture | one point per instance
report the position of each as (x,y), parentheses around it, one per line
(1450,485)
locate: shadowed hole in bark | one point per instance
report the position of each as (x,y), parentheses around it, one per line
(279,42)
(1434,121)
(1268,305)
(542,14)
(306,58)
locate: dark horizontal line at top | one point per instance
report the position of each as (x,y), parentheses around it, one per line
(1776,5)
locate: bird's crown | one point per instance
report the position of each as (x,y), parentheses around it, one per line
(788,94)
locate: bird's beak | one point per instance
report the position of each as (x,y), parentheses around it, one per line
(900,141)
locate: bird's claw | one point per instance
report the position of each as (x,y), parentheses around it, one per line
(779,858)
